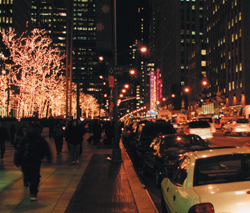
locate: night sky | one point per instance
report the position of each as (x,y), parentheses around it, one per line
(127,26)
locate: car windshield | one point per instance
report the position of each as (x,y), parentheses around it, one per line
(153,130)
(181,142)
(245,121)
(222,169)
(199,124)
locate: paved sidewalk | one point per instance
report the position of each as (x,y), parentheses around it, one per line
(59,181)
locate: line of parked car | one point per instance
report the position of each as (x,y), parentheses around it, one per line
(193,177)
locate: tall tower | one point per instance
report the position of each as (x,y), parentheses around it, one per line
(51,16)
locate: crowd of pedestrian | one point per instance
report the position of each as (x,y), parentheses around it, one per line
(31,148)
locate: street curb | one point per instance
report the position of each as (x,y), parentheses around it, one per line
(143,201)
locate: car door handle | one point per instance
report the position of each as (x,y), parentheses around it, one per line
(174,198)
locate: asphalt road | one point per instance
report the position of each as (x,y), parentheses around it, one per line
(219,140)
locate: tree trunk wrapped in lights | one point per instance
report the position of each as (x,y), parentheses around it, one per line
(3,93)
(34,60)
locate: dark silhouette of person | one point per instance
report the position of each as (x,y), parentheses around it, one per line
(30,151)
(21,132)
(4,136)
(57,134)
(12,133)
(73,136)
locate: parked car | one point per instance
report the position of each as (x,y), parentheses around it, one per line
(165,150)
(201,128)
(146,133)
(213,181)
(238,126)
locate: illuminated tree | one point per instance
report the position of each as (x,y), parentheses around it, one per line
(36,65)
(3,94)
(89,105)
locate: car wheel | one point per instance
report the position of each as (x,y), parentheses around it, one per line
(248,134)
(240,134)
(157,179)
(163,205)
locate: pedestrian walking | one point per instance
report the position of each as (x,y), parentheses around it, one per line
(4,136)
(21,132)
(30,151)
(12,133)
(57,134)
(73,136)
(81,126)
(51,126)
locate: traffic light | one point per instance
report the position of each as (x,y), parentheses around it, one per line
(200,102)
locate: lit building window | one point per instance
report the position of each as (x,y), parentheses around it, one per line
(203,63)
(239,16)
(229,86)
(203,52)
(232,85)
(236,68)
(240,66)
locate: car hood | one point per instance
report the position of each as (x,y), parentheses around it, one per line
(227,198)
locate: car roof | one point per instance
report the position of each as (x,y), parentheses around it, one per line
(217,151)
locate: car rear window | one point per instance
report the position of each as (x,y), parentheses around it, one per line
(242,121)
(155,129)
(222,169)
(206,119)
(199,124)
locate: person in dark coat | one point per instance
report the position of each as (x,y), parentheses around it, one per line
(30,151)
(81,126)
(21,132)
(73,136)
(57,134)
(4,136)
(12,133)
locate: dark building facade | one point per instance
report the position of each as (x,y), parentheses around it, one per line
(178,26)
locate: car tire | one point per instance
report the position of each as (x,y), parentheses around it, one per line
(163,206)
(157,179)
(240,134)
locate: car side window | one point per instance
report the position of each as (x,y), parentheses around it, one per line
(180,170)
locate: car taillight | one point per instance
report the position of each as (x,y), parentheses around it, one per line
(211,130)
(128,131)
(188,131)
(202,208)
(236,125)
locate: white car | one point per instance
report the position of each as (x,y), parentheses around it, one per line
(210,121)
(238,126)
(201,128)
(216,180)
